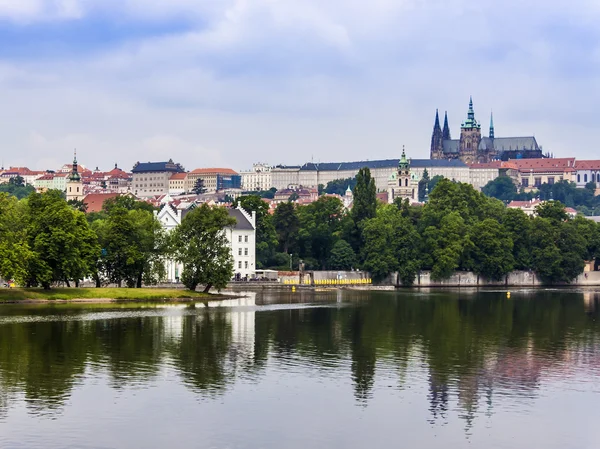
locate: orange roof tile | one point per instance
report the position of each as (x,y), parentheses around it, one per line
(214,171)
(95,201)
(587,165)
(176,176)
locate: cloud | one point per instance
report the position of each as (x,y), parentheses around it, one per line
(230,82)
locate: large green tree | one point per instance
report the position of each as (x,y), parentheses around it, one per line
(364,206)
(133,246)
(64,247)
(491,251)
(201,245)
(391,244)
(502,188)
(287,224)
(342,256)
(17,188)
(14,247)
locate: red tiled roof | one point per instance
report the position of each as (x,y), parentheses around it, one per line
(94,201)
(519,204)
(176,176)
(214,171)
(587,165)
(545,163)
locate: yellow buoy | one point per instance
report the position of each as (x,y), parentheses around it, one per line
(508,295)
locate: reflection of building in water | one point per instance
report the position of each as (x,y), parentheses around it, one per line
(590,301)
(438,396)
(242,331)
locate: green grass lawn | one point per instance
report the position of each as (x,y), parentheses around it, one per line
(17,294)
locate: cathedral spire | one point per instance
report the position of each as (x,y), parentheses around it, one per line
(436,125)
(446,132)
(491,125)
(471,123)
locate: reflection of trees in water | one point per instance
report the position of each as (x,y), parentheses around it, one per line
(201,354)
(473,347)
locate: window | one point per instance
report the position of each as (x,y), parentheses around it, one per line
(246,265)
(246,238)
(525,182)
(585,178)
(240,238)
(240,264)
(550,180)
(598,177)
(537,182)
(239,251)
(578,178)
(245,251)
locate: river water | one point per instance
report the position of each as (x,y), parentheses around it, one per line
(333,369)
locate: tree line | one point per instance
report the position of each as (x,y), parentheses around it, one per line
(44,240)
(458,229)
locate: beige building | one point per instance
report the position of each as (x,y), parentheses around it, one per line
(177,183)
(403,184)
(152,178)
(74,186)
(535,172)
(214,179)
(257,179)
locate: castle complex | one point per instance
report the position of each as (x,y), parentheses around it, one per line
(473,148)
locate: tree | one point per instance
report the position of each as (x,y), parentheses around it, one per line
(266,237)
(502,188)
(63,245)
(391,243)
(423,185)
(286,222)
(364,205)
(199,188)
(342,256)
(552,210)
(78,205)
(133,245)
(338,186)
(294,196)
(14,248)
(201,245)
(320,226)
(518,226)
(446,245)
(492,249)
(17,188)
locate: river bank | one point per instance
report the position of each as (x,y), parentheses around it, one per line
(102,295)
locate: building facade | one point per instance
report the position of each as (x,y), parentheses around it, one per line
(586,172)
(241,238)
(257,179)
(472,147)
(215,179)
(152,178)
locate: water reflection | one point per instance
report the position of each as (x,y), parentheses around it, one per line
(468,351)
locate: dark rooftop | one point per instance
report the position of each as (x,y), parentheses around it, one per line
(385,163)
(145,167)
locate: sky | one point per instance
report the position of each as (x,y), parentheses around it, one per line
(228,83)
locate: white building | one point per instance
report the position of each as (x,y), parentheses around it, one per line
(241,237)
(587,171)
(313,174)
(257,179)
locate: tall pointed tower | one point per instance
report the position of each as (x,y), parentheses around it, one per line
(491,125)
(437,141)
(446,131)
(74,184)
(470,137)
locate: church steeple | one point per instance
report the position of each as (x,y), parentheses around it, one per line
(491,125)
(74,176)
(446,131)
(436,125)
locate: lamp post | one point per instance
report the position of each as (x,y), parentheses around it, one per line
(291,262)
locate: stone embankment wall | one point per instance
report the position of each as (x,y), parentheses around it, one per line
(294,276)
(514,279)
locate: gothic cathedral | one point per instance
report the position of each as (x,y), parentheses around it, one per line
(473,148)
